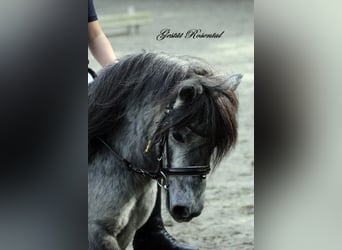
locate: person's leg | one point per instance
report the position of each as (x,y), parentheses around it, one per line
(153,235)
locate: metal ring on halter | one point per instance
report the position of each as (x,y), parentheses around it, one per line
(162,181)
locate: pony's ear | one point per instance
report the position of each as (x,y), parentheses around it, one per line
(233,81)
(187,93)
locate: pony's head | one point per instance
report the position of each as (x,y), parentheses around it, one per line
(201,128)
(178,107)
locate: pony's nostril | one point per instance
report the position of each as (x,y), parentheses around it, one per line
(181,211)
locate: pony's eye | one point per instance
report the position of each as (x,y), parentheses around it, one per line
(178,137)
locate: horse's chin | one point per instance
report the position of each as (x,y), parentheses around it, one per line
(182,219)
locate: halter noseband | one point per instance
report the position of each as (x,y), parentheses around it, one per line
(164,168)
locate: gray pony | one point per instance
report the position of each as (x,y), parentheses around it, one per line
(154,119)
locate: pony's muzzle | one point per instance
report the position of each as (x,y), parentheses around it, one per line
(183,213)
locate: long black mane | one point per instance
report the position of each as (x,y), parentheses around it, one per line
(156,78)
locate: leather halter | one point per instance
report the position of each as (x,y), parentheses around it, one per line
(164,168)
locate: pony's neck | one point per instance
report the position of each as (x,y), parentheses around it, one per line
(131,138)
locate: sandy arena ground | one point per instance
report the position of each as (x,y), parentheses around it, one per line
(227,221)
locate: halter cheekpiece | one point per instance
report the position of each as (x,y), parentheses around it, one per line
(164,169)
